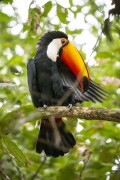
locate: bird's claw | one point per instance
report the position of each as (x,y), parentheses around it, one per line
(70,106)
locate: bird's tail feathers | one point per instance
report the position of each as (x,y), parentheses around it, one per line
(53,138)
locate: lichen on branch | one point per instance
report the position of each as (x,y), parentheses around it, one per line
(86,113)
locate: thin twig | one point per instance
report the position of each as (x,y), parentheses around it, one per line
(20,175)
(39,168)
(3,175)
(85,162)
(96,45)
(70,91)
(56,131)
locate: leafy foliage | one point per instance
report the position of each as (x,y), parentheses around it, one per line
(13,149)
(97,153)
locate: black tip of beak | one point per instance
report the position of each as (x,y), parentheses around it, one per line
(85,83)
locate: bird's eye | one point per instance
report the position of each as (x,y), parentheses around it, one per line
(62,41)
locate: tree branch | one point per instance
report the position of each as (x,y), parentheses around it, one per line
(81,112)
(20,116)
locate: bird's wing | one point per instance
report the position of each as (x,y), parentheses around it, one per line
(32,83)
(94,93)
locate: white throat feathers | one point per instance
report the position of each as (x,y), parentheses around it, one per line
(53,49)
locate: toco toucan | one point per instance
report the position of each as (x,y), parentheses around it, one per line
(59,76)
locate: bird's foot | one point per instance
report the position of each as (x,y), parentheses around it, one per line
(70,106)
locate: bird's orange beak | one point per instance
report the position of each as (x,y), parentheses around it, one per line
(72,58)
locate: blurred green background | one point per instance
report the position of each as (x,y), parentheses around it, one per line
(97,153)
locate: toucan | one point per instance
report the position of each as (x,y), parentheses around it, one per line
(58,76)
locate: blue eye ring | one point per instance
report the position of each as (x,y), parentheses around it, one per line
(62,41)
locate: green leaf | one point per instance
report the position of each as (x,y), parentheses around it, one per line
(104,54)
(47,8)
(14,150)
(16,60)
(67,173)
(1,149)
(62,14)
(74,32)
(8,1)
(71,3)
(4,17)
